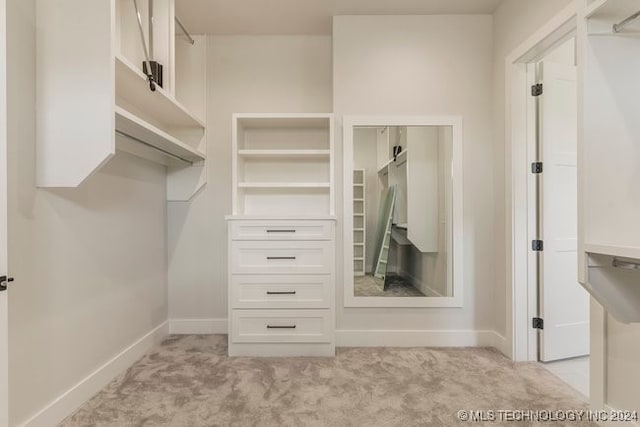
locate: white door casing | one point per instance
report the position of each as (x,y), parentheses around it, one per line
(4,350)
(564,304)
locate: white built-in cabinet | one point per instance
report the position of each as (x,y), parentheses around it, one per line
(414,172)
(93,98)
(282,236)
(609,156)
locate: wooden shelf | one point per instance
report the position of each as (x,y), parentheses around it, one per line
(133,89)
(284,153)
(137,129)
(284,185)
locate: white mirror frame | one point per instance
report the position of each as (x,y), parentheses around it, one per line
(348,125)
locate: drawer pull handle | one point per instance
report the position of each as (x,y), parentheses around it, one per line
(281,231)
(281,293)
(281,257)
(281,327)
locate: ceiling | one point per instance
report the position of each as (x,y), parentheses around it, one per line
(272,17)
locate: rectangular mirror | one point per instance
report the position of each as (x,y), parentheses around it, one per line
(403,211)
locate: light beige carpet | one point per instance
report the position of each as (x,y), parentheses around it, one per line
(189,381)
(369,286)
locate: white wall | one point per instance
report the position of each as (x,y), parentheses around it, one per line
(245,74)
(90,263)
(513,22)
(431,65)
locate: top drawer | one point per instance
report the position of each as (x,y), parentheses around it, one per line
(281,230)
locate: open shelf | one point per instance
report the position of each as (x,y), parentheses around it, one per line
(284,153)
(282,163)
(284,185)
(620,251)
(133,88)
(141,131)
(286,120)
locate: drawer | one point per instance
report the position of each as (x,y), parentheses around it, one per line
(284,257)
(281,326)
(280,291)
(281,230)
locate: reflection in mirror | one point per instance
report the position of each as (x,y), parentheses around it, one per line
(402,211)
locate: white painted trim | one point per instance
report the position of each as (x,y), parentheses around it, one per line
(517,258)
(456,122)
(598,357)
(4,307)
(418,338)
(371,338)
(502,344)
(198,326)
(69,401)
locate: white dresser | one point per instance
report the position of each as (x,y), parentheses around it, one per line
(282,236)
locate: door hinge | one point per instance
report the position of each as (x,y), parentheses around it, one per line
(536,90)
(537,323)
(536,167)
(4,280)
(537,245)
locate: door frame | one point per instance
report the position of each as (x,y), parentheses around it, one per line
(4,320)
(521,276)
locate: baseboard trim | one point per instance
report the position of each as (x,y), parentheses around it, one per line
(198,326)
(502,344)
(415,338)
(72,399)
(369,338)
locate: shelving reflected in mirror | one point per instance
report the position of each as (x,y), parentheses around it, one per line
(400,186)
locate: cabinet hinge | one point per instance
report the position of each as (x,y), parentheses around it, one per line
(537,245)
(536,90)
(4,280)
(537,323)
(536,167)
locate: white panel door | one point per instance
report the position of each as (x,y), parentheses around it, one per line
(564,303)
(4,370)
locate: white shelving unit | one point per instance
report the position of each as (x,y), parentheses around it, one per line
(282,236)
(283,164)
(359,223)
(106,103)
(610,195)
